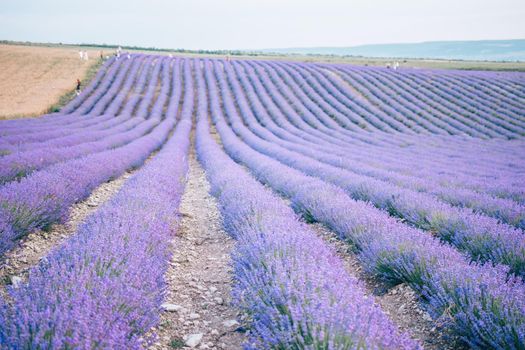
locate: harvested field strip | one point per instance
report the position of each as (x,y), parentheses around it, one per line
(42,76)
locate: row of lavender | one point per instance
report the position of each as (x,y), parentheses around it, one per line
(364,159)
(343,102)
(339,95)
(434,102)
(452,149)
(482,237)
(434,107)
(292,285)
(486,149)
(103,287)
(361,152)
(327,91)
(482,303)
(452,140)
(63,175)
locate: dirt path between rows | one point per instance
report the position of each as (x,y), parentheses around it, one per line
(197,308)
(37,245)
(400,303)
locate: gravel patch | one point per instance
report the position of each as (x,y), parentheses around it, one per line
(400,302)
(197,310)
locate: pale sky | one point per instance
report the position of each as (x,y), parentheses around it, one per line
(257,24)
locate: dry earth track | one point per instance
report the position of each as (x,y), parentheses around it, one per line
(198,303)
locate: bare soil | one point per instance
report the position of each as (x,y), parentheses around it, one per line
(197,301)
(33,78)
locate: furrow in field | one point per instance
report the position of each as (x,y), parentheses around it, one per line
(199,278)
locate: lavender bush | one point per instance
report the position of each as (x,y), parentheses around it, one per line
(45,196)
(293,287)
(103,287)
(480,302)
(420,171)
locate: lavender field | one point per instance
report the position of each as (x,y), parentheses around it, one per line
(335,187)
